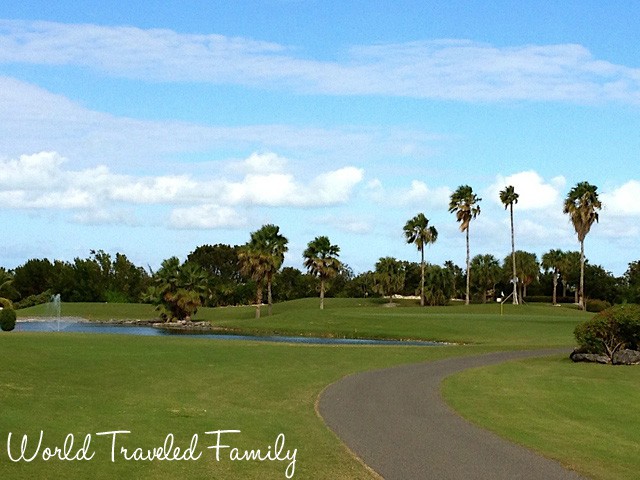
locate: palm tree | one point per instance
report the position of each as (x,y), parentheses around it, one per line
(321,260)
(508,197)
(6,279)
(418,231)
(569,270)
(389,276)
(255,263)
(488,273)
(527,270)
(582,205)
(552,261)
(464,203)
(269,241)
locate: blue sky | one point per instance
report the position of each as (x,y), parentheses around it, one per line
(151,128)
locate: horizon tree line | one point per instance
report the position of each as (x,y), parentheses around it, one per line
(261,258)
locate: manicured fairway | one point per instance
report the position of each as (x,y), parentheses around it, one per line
(528,326)
(84,384)
(75,383)
(587,416)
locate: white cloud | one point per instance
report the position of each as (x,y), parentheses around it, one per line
(154,190)
(41,181)
(205,217)
(34,119)
(622,200)
(336,186)
(535,193)
(447,69)
(418,193)
(262,163)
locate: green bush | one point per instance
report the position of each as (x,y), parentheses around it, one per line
(32,300)
(611,330)
(5,303)
(595,305)
(7,319)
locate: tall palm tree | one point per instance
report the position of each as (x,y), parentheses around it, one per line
(552,261)
(508,197)
(321,260)
(269,241)
(582,205)
(464,203)
(418,231)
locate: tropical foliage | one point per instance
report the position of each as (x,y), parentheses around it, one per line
(610,330)
(321,260)
(418,232)
(178,290)
(508,197)
(261,258)
(464,203)
(582,205)
(486,274)
(389,277)
(551,262)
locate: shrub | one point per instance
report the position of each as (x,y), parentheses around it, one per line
(5,303)
(7,319)
(31,300)
(595,305)
(610,330)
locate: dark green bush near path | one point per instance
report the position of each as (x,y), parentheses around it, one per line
(7,319)
(611,330)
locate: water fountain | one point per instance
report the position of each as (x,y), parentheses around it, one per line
(54,309)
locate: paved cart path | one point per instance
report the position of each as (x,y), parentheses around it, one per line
(396,421)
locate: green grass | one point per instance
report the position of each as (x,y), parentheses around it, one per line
(522,326)
(526,325)
(587,416)
(75,383)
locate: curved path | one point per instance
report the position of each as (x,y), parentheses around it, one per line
(396,421)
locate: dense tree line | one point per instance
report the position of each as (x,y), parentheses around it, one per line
(218,275)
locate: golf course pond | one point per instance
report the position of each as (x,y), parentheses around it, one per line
(70,326)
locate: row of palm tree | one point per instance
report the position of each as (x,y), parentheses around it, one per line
(262,256)
(581,204)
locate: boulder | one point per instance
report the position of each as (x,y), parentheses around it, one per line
(588,357)
(626,357)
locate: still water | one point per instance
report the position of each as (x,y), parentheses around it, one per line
(146,331)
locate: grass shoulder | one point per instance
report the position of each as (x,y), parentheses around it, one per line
(584,415)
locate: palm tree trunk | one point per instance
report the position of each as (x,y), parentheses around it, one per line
(466,301)
(513,260)
(581,301)
(321,294)
(555,287)
(258,300)
(422,277)
(269,297)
